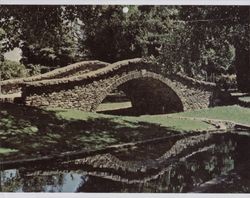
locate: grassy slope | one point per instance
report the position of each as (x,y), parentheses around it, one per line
(113,106)
(7,150)
(231,113)
(31,132)
(245,99)
(129,121)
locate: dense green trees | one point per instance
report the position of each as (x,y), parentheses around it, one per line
(41,32)
(221,33)
(112,35)
(197,40)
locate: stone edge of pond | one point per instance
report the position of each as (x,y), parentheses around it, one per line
(71,155)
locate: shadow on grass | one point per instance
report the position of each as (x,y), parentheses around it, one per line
(35,132)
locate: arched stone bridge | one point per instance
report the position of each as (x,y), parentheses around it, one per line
(149,92)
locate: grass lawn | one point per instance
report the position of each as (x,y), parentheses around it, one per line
(133,122)
(113,106)
(5,151)
(233,113)
(245,99)
(32,132)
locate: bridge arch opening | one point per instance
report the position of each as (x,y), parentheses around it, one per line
(147,95)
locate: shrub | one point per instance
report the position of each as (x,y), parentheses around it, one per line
(11,69)
(227,82)
(33,69)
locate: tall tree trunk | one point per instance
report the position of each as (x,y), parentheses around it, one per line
(242,44)
(243,68)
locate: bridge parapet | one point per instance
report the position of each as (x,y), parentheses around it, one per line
(121,66)
(14,85)
(192,82)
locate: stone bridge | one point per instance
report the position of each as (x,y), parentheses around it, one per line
(141,81)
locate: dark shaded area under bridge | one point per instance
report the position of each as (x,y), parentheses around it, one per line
(147,96)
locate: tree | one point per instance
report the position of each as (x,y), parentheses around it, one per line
(2,35)
(42,32)
(11,69)
(111,35)
(225,30)
(241,39)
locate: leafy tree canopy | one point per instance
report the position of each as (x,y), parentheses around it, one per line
(41,32)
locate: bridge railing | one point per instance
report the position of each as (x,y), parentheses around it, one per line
(91,75)
(14,85)
(198,83)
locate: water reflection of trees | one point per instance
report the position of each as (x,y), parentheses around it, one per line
(189,171)
(37,182)
(10,181)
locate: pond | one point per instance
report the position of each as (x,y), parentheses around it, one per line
(217,162)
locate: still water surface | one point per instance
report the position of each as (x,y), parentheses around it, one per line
(205,163)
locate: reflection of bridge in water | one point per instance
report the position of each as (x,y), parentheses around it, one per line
(86,84)
(178,166)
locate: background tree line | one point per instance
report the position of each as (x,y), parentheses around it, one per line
(200,41)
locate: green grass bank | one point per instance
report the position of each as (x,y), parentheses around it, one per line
(27,132)
(233,113)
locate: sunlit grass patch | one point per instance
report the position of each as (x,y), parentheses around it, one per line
(245,99)
(130,121)
(113,106)
(233,113)
(4,151)
(176,123)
